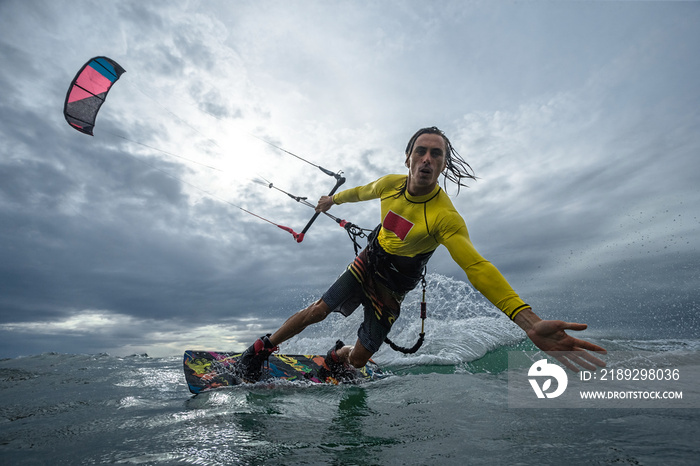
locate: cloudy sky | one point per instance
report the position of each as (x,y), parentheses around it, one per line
(581,120)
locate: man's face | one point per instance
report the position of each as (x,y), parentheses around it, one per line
(425,163)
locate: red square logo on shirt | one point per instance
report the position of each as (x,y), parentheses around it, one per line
(397,224)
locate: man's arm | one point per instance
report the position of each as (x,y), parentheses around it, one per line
(482,274)
(547,335)
(550,337)
(369,191)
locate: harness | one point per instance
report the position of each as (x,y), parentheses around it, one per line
(396,275)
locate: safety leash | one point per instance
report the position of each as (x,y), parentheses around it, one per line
(421,336)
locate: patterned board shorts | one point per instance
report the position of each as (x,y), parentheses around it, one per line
(355,287)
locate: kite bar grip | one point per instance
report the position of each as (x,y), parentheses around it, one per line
(340,181)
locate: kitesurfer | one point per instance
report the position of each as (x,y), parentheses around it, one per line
(417,216)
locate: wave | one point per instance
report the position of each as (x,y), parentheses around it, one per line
(461,326)
(463,332)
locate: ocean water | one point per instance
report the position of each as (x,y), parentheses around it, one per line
(446,405)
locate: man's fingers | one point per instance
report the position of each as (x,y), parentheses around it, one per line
(579,358)
(562,359)
(574,326)
(592,358)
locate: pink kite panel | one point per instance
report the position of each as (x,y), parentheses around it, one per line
(92,81)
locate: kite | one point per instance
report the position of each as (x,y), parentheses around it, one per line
(88,91)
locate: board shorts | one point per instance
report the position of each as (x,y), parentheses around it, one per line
(355,287)
(379,281)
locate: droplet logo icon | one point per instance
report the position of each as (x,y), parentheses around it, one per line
(542,370)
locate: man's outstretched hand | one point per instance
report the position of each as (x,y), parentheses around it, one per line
(550,336)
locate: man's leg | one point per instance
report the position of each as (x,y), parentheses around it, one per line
(296,323)
(251,361)
(343,293)
(371,335)
(357,355)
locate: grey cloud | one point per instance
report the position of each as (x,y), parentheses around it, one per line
(580,120)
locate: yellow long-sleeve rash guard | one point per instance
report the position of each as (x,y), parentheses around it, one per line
(413,225)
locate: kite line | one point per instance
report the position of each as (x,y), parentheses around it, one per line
(88,91)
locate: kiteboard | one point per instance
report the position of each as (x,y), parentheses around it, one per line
(208,370)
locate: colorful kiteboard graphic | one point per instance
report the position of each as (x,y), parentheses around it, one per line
(88,91)
(208,370)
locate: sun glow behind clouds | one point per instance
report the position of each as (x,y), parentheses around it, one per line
(207,146)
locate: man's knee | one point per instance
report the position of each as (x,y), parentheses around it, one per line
(316,312)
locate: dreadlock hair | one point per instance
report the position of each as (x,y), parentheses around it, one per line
(456,168)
